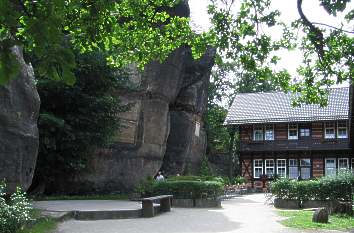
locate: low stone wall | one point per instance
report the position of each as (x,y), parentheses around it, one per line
(197,203)
(331,206)
(286,204)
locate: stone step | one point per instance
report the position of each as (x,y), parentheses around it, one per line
(92,215)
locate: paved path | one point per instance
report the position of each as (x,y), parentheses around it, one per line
(87,205)
(246,214)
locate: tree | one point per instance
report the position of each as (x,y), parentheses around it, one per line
(75,120)
(327,50)
(132,31)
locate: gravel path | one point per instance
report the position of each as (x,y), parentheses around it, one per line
(246,214)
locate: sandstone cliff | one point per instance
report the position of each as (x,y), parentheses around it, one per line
(19,109)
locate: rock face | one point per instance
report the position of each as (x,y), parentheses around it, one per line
(163,127)
(19,109)
(187,140)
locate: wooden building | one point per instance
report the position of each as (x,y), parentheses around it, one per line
(277,139)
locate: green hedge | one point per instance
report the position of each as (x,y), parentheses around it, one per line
(189,189)
(338,187)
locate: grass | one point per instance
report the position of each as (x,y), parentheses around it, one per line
(302,219)
(87,197)
(42,225)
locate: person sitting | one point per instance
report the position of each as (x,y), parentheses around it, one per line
(159,177)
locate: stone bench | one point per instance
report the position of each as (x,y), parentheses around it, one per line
(148,205)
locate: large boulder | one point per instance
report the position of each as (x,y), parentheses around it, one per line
(320,216)
(19,109)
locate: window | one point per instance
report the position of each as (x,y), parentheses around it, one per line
(293,169)
(281,167)
(292,131)
(269,167)
(305,132)
(305,168)
(330,166)
(269,132)
(257,168)
(330,130)
(258,133)
(342,129)
(343,163)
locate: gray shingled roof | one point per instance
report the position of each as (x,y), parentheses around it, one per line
(276,107)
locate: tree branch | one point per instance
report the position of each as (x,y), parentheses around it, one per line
(330,26)
(315,34)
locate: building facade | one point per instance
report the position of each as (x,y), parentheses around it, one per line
(279,140)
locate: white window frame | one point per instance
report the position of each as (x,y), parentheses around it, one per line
(269,167)
(330,136)
(291,166)
(309,131)
(297,132)
(332,168)
(342,127)
(305,166)
(258,128)
(283,166)
(258,167)
(269,128)
(343,168)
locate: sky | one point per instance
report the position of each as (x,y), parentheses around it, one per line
(311,8)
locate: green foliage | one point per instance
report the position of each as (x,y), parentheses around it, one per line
(131,31)
(15,212)
(239,180)
(196,178)
(303,220)
(339,187)
(145,187)
(204,167)
(42,225)
(75,120)
(189,189)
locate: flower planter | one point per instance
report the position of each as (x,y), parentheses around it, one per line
(184,203)
(208,203)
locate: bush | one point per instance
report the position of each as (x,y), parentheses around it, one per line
(239,180)
(189,189)
(15,212)
(196,178)
(145,187)
(338,187)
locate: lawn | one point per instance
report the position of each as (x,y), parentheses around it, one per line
(302,219)
(42,225)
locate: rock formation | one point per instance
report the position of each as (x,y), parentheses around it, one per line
(164,125)
(19,109)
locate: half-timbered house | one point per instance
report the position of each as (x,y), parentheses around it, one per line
(277,139)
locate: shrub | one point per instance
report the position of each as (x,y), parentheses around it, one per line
(338,187)
(145,187)
(239,180)
(189,189)
(15,212)
(196,178)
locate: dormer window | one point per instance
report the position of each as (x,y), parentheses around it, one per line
(269,133)
(258,133)
(293,132)
(342,129)
(330,131)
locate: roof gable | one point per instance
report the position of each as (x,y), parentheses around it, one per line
(277,107)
